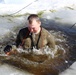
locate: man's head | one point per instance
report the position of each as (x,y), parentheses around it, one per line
(34,23)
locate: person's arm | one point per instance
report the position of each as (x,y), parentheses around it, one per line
(51,41)
(18,40)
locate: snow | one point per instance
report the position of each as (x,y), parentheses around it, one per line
(11,70)
(36,5)
(70,71)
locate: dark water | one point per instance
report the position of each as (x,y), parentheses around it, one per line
(43,65)
(68,30)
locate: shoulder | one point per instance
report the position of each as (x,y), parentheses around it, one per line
(23,30)
(45,31)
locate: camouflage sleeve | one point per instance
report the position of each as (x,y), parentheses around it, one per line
(51,41)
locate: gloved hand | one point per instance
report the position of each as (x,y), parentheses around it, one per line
(7,49)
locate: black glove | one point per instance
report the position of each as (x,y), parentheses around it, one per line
(8,48)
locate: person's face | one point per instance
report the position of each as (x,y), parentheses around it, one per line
(34,26)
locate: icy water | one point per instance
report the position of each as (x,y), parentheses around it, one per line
(65,38)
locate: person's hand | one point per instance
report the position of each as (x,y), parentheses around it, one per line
(7,49)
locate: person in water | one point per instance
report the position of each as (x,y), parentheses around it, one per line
(33,36)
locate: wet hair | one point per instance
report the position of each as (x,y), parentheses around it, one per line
(33,16)
(7,48)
